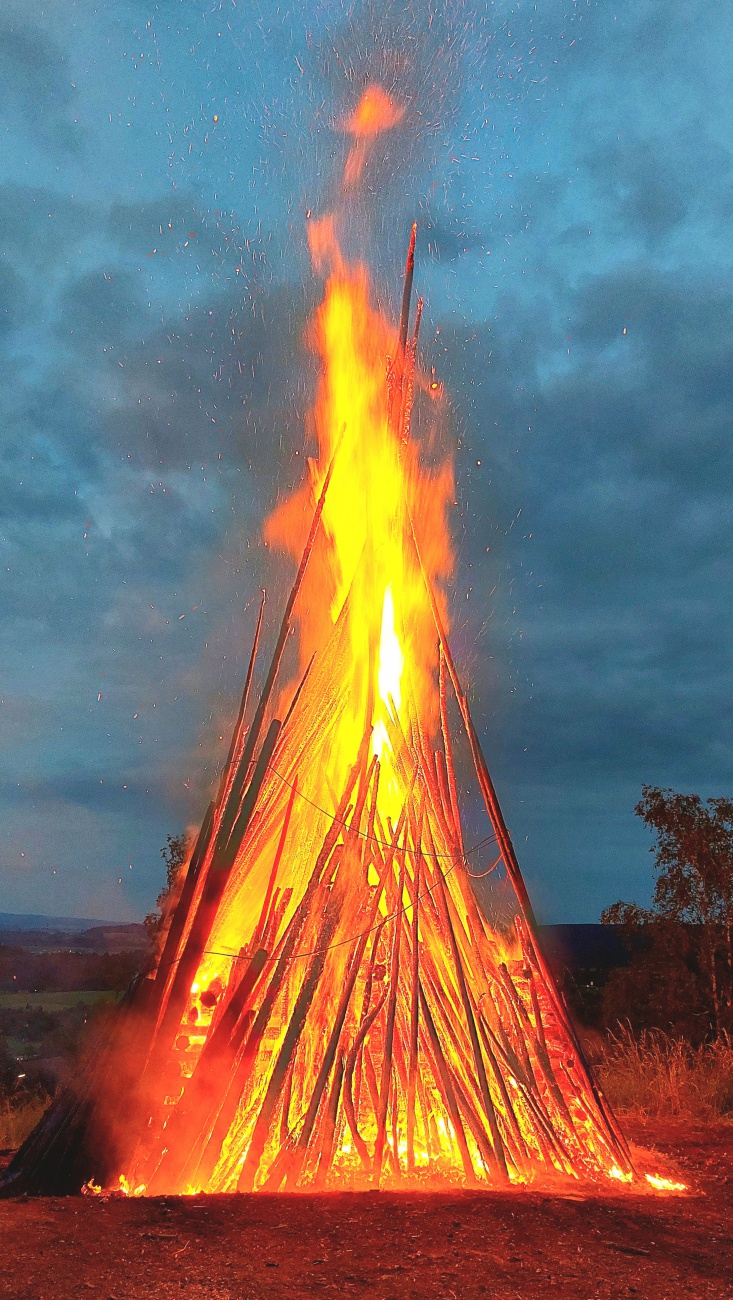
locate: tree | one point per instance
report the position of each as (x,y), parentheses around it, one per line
(682,947)
(175,855)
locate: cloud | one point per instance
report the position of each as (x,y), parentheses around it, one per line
(35,85)
(603,492)
(572,180)
(138,450)
(11,299)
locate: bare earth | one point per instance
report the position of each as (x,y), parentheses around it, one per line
(385,1245)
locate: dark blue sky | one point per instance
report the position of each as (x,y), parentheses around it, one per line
(570,166)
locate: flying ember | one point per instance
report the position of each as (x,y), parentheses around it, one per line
(335,1002)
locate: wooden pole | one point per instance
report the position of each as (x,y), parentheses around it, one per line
(443,1079)
(260,927)
(289,1045)
(228,1103)
(499,1158)
(513,869)
(407,289)
(414,997)
(215,884)
(259,717)
(389,1036)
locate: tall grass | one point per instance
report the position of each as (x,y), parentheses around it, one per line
(18,1116)
(653,1074)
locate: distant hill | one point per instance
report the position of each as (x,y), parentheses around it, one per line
(59,933)
(568,947)
(34,921)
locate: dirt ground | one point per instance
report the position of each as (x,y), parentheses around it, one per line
(388,1246)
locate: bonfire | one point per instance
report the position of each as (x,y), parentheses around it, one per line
(348,993)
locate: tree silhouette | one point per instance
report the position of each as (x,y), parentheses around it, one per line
(175,855)
(681,968)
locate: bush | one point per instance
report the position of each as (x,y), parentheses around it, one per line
(661,987)
(653,1074)
(680,977)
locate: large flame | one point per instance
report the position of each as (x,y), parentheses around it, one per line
(350,1014)
(369,572)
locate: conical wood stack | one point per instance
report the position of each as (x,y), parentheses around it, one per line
(331,1006)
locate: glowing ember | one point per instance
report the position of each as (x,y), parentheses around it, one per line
(375,113)
(126,1189)
(665,1184)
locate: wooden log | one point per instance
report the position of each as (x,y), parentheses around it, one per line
(508,1111)
(351,1059)
(292,1036)
(514,872)
(515,1021)
(499,1158)
(325,1159)
(367,916)
(193,951)
(231,812)
(228,1104)
(408,382)
(543,1055)
(238,733)
(389,1037)
(545,1133)
(462,1065)
(407,289)
(275,919)
(180,916)
(441,774)
(260,927)
(248,1035)
(448,748)
(526,1032)
(414,1000)
(298,692)
(443,1080)
(285,1112)
(535,957)
(472,1118)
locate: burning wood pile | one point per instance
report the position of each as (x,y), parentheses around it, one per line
(331,1007)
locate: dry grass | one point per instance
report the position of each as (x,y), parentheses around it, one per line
(18,1116)
(655,1075)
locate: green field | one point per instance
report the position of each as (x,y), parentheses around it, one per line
(54,1001)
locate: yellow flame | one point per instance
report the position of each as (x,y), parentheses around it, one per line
(391,658)
(665,1184)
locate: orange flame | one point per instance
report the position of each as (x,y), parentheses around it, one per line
(370,570)
(375,112)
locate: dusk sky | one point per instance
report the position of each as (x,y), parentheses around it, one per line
(570,168)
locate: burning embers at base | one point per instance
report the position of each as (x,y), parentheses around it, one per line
(331,1006)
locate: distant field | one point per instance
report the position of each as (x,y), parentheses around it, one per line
(53,1001)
